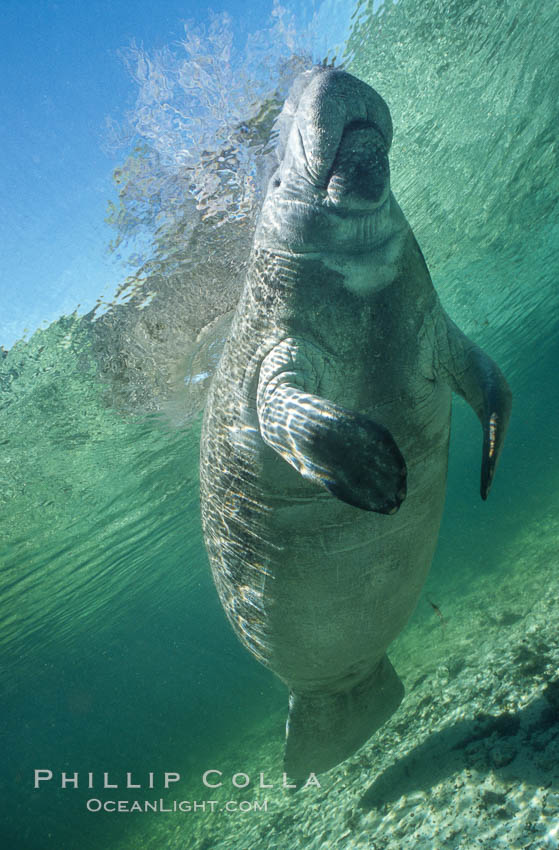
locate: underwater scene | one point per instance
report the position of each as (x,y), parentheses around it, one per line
(141,144)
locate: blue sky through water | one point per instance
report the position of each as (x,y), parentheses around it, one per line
(61,77)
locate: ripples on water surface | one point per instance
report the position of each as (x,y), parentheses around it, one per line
(114,650)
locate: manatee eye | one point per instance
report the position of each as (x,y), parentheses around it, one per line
(277,183)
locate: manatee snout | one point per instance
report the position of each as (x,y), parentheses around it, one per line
(332,109)
(360,175)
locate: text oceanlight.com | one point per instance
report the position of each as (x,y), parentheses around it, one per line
(185,806)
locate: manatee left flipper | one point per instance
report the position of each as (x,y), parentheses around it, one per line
(346,452)
(477,378)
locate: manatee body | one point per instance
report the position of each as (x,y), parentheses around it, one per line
(325,438)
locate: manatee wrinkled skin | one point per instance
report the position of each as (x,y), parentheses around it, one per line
(325,437)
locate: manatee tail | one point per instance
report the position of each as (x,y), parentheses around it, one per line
(324,729)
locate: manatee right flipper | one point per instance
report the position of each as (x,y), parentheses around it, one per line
(477,378)
(355,458)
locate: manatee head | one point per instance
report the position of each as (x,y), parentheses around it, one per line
(331,190)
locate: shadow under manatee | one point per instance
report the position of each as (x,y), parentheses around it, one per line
(487,743)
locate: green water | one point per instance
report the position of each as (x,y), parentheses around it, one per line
(111,634)
(115,653)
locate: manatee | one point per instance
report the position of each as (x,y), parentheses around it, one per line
(325,436)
